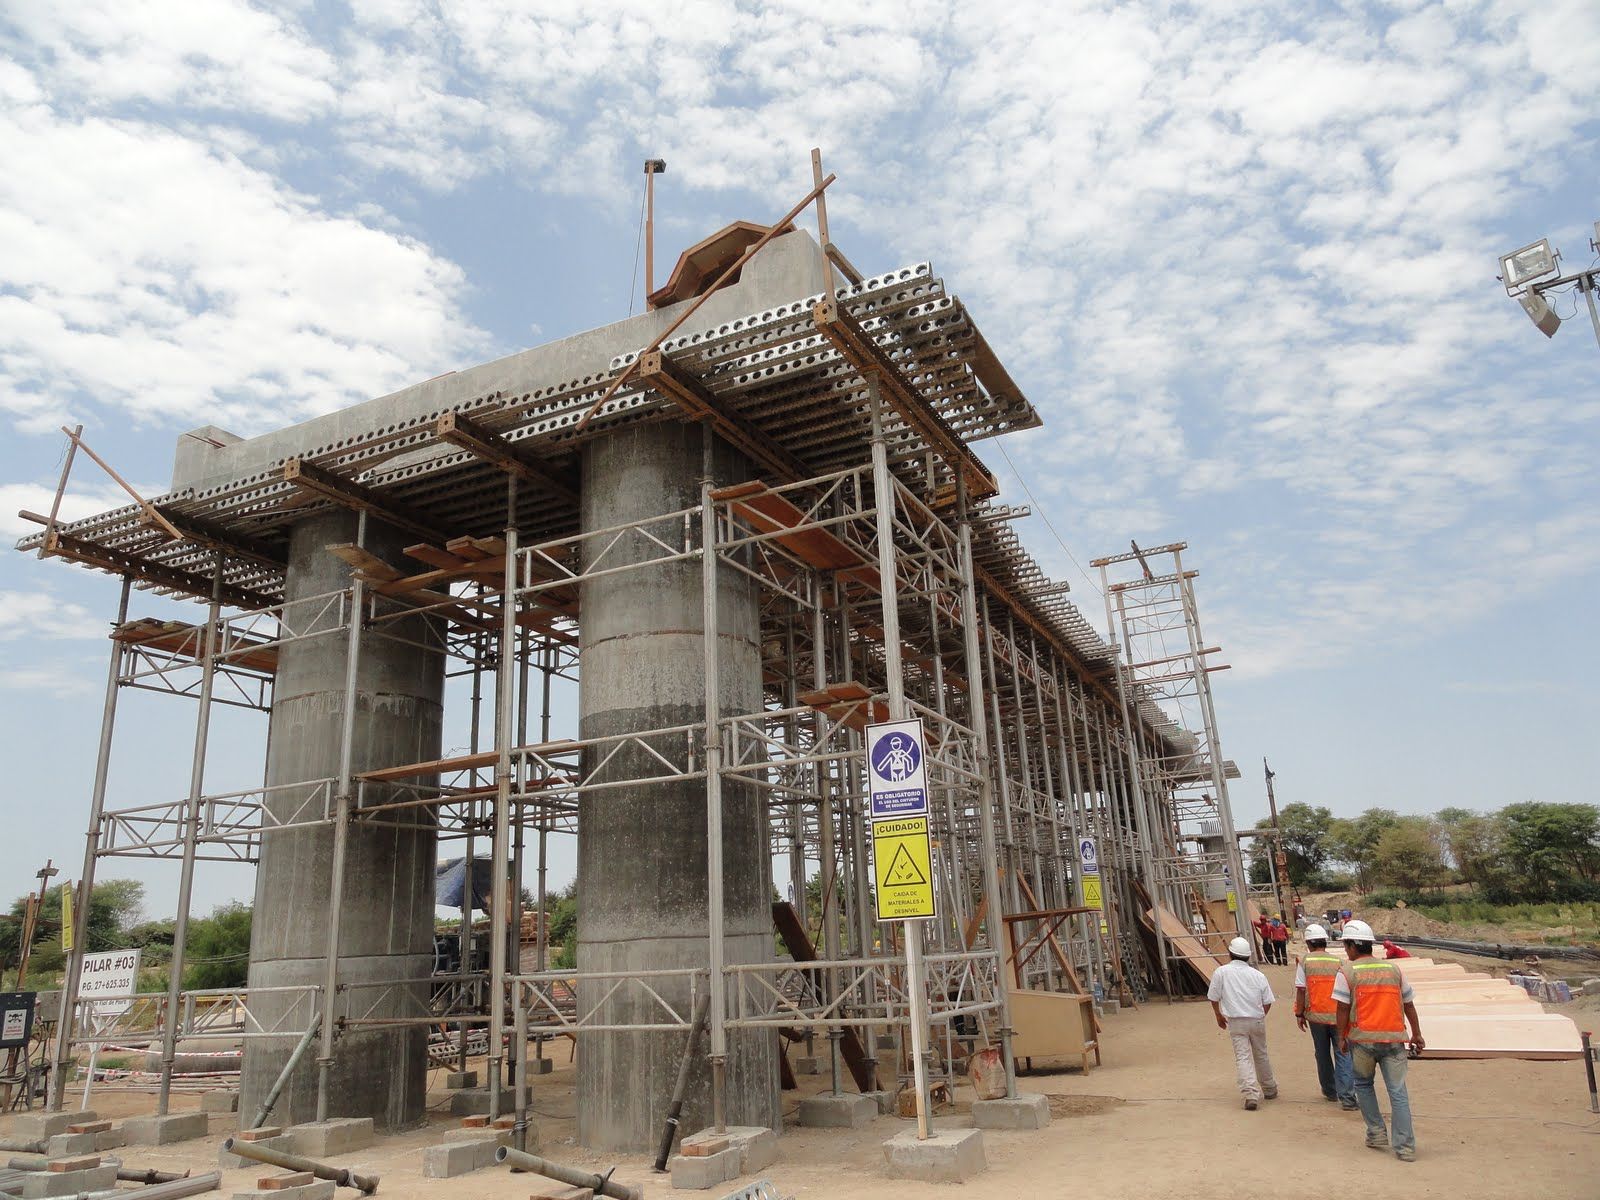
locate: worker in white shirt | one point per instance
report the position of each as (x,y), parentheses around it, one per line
(1241,998)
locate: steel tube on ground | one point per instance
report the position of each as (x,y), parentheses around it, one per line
(271,1098)
(669,1129)
(21,1146)
(600,1184)
(342,1176)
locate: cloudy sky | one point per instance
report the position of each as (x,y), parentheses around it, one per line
(1240,254)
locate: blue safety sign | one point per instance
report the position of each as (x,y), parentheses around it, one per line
(897,775)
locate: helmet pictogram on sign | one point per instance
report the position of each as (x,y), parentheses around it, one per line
(897,758)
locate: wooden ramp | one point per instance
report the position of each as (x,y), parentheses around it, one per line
(1196,956)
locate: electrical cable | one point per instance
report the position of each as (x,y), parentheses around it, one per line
(638,241)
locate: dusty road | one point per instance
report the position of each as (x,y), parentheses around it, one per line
(1161,1119)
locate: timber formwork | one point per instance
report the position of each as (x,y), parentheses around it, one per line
(891,585)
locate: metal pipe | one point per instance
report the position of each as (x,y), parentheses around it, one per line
(680,1089)
(1588,1065)
(601,1185)
(342,1176)
(191,824)
(91,850)
(278,1084)
(717,950)
(519,1081)
(500,910)
(145,1175)
(24,1146)
(341,835)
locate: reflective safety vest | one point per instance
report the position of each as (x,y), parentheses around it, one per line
(1377,1014)
(1321,971)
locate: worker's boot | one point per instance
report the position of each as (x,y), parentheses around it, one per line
(1250,1106)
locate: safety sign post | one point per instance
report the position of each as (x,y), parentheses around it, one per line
(1089,873)
(902,864)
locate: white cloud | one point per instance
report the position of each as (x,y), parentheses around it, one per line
(49,681)
(41,615)
(80,500)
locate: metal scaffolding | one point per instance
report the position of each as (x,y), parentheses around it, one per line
(890,584)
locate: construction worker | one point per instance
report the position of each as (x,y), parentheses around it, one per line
(1241,997)
(1278,932)
(1314,1009)
(1374,1004)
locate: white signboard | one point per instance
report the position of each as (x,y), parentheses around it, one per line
(15,1024)
(109,978)
(897,776)
(1089,856)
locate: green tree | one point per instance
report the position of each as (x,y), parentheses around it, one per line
(1305,838)
(217,951)
(561,910)
(1354,841)
(1409,855)
(112,908)
(1552,849)
(1473,844)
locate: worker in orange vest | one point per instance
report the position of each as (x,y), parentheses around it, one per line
(1374,1004)
(1315,1009)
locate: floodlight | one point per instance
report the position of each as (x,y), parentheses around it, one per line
(1594,242)
(1539,313)
(1522,267)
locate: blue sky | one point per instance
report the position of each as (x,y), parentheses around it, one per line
(1240,255)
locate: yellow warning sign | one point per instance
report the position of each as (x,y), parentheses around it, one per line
(1233,902)
(1091,892)
(902,861)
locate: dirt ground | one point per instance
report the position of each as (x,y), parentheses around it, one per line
(1161,1118)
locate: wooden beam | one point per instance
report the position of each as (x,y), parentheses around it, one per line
(63,545)
(659,373)
(492,448)
(214,537)
(312,478)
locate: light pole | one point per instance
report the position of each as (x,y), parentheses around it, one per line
(1531,273)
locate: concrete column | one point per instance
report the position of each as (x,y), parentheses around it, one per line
(387,907)
(642,849)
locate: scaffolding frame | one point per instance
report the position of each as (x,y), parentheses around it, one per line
(889,585)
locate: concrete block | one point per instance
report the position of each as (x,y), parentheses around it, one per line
(457,1080)
(757,1145)
(464,1154)
(1024,1112)
(541,1066)
(282,1141)
(321,1189)
(699,1174)
(808,1064)
(40,1126)
(37,1184)
(1591,987)
(844,1111)
(220,1101)
(472,1102)
(560,1191)
(948,1155)
(340,1135)
(162,1131)
(65,1145)
(884,1101)
(110,1139)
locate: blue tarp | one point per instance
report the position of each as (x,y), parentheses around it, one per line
(450,881)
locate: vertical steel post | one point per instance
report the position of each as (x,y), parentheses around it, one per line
(883,499)
(97,802)
(344,803)
(993,912)
(716,948)
(191,829)
(499,908)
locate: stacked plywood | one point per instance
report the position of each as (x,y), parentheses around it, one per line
(1467,1014)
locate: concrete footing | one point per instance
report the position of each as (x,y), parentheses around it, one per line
(756,1144)
(66,1145)
(541,1066)
(1021,1112)
(39,1126)
(844,1111)
(947,1156)
(163,1131)
(700,1172)
(220,1102)
(321,1139)
(808,1064)
(474,1102)
(457,1080)
(466,1150)
(321,1189)
(884,1101)
(37,1184)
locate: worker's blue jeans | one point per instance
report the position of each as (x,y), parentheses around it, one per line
(1334,1071)
(1390,1058)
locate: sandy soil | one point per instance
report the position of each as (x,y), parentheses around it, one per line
(1161,1118)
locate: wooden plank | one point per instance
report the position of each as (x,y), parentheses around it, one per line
(1062,960)
(1175,931)
(364,561)
(1497,1035)
(429,553)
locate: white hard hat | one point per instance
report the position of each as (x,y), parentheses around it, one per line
(1316,933)
(1358,931)
(1239,948)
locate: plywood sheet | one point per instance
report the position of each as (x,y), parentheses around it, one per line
(1176,932)
(1497,1035)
